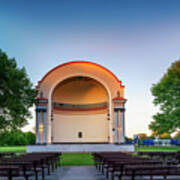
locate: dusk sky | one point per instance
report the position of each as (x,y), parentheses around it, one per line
(136,39)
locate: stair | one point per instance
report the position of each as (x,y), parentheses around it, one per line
(80,148)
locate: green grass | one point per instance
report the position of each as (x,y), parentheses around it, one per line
(77,159)
(83,159)
(16,149)
(155,149)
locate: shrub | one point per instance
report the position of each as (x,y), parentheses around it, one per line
(16,137)
(30,137)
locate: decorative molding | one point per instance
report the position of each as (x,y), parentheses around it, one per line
(41,108)
(116,108)
(119,99)
(41,98)
(80,62)
(119,103)
(41,103)
(80,109)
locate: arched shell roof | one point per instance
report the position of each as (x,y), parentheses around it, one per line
(80,62)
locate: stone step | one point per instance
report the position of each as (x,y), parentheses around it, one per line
(80,148)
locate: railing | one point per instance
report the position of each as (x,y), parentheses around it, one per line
(80,106)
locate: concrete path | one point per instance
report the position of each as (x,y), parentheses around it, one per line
(78,173)
(71,173)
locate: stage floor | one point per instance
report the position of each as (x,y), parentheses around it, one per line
(81,148)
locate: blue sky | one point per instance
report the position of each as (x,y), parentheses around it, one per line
(135,39)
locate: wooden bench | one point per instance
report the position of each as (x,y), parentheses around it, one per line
(149,171)
(33,162)
(13,171)
(115,162)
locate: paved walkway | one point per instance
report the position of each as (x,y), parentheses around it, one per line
(78,173)
(74,173)
(71,173)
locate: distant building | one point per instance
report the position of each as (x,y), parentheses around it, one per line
(80,102)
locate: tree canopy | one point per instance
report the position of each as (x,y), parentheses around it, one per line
(167,96)
(17,94)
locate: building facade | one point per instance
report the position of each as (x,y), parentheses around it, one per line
(80,102)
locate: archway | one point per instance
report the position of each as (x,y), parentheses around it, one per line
(68,78)
(80,111)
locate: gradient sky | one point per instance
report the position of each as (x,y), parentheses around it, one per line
(136,39)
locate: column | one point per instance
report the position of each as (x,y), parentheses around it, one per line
(38,119)
(122,124)
(116,127)
(44,127)
(41,109)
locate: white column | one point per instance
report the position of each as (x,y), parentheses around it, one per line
(44,127)
(116,127)
(38,118)
(122,125)
(49,122)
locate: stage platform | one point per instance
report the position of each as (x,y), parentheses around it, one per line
(81,148)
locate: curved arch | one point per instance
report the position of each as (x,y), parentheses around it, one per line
(102,75)
(67,77)
(81,62)
(81,90)
(95,78)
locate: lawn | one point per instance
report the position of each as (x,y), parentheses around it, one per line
(74,159)
(80,159)
(16,149)
(155,149)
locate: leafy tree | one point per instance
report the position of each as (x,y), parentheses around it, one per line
(177,135)
(17,94)
(165,136)
(153,135)
(16,137)
(142,136)
(31,138)
(167,95)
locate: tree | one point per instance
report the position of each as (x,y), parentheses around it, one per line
(177,135)
(142,136)
(154,135)
(167,96)
(16,137)
(165,136)
(17,94)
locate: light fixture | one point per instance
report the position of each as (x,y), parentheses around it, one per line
(41,127)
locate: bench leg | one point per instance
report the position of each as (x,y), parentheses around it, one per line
(112,176)
(120,177)
(36,175)
(52,166)
(95,164)
(9,174)
(107,173)
(58,160)
(10,177)
(42,173)
(48,169)
(102,169)
(99,166)
(132,178)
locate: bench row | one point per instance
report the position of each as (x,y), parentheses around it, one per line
(27,165)
(122,165)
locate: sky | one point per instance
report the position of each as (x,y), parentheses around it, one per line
(136,39)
